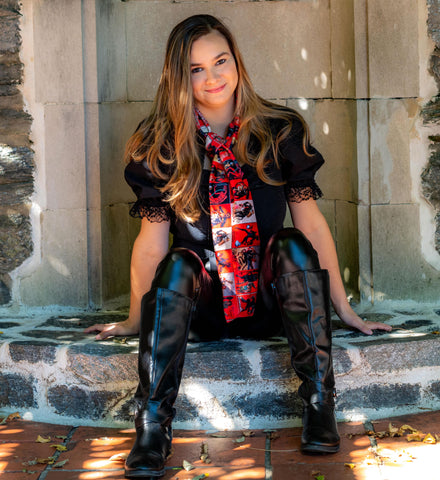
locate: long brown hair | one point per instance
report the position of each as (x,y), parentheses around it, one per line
(167,137)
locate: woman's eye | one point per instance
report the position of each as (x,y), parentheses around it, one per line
(196,70)
(221,61)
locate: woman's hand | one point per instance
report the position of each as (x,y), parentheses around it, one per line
(118,329)
(350,318)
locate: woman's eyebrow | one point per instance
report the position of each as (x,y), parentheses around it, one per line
(215,58)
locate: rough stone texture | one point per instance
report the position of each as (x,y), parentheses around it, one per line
(380,396)
(80,403)
(16,157)
(431,114)
(33,351)
(17,390)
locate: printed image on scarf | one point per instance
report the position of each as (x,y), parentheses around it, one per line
(243,212)
(219,193)
(247,304)
(246,258)
(222,238)
(246,282)
(245,236)
(220,216)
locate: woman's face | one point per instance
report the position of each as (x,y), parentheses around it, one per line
(214,74)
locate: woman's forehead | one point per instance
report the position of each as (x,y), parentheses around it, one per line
(208,46)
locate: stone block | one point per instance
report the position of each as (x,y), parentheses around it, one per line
(58,56)
(94,369)
(116,248)
(207,360)
(267,404)
(382,358)
(117,122)
(65,156)
(347,245)
(61,277)
(15,241)
(332,126)
(360,20)
(286,59)
(393,48)
(77,402)
(111,50)
(32,351)
(376,396)
(343,49)
(391,129)
(399,270)
(363,152)
(17,391)
(364,247)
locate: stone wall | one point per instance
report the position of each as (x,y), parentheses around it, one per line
(16,155)
(431,115)
(356,70)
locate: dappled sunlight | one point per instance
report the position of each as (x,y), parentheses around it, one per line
(245,474)
(187,441)
(304,54)
(303,104)
(321,80)
(325,128)
(58,266)
(101,451)
(277,66)
(208,406)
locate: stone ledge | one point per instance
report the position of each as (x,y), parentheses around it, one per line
(52,372)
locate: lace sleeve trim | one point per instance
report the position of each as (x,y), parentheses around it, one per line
(153,209)
(299,193)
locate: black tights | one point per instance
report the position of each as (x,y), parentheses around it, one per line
(182,271)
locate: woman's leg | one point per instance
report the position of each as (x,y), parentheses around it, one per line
(303,294)
(166,315)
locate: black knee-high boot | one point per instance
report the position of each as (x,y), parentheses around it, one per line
(165,322)
(303,294)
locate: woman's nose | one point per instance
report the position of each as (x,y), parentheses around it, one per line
(211,76)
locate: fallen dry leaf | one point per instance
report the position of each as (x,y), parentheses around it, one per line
(59,447)
(46,461)
(204,454)
(239,439)
(415,437)
(41,439)
(429,439)
(248,433)
(350,465)
(10,417)
(188,466)
(218,435)
(199,477)
(119,457)
(61,464)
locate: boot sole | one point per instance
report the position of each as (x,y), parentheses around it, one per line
(144,474)
(311,449)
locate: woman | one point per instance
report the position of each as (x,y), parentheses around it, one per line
(214,165)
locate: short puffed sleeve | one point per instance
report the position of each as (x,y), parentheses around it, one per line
(299,168)
(150,200)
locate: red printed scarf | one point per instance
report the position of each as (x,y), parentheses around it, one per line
(234,225)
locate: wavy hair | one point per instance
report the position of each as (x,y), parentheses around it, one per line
(167,138)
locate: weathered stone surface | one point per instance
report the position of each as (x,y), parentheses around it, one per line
(379,396)
(422,353)
(207,361)
(270,404)
(103,349)
(80,403)
(83,321)
(57,335)
(17,391)
(10,37)
(32,351)
(15,241)
(91,370)
(5,294)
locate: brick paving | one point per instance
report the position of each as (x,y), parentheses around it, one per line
(275,455)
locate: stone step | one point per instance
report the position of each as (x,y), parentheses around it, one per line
(52,372)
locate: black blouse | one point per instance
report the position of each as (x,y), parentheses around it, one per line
(296,169)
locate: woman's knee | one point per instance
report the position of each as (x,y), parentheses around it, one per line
(181,271)
(291,251)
